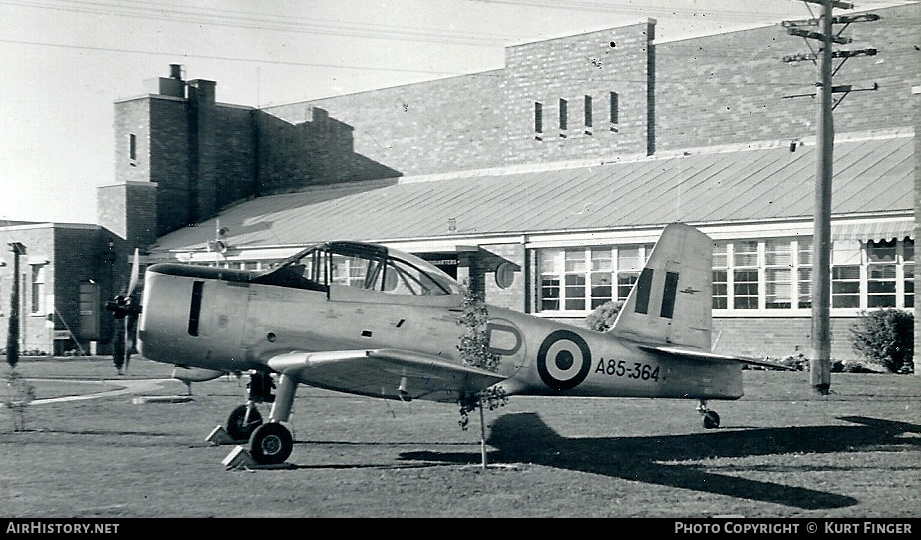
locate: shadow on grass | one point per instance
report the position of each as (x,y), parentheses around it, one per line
(525,438)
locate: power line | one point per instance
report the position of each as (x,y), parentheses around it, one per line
(227,58)
(249,20)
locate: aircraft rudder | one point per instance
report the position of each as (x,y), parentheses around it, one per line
(671,301)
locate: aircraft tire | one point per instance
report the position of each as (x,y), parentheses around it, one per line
(271,444)
(235,427)
(711,420)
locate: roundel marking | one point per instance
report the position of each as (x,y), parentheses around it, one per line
(563,360)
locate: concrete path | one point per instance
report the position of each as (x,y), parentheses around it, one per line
(128,386)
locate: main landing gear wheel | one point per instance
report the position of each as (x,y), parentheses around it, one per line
(271,444)
(239,427)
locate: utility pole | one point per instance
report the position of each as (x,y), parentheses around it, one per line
(820,360)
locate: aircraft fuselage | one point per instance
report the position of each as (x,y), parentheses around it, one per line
(228,320)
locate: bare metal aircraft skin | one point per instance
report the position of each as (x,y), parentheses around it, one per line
(365,319)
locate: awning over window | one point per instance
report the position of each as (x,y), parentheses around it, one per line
(863,231)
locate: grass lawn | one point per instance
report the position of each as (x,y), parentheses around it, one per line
(781,452)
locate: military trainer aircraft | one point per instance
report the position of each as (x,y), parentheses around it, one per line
(364,319)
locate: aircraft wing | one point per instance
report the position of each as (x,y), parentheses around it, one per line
(389,373)
(697,355)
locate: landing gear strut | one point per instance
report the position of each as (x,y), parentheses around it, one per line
(270,442)
(246,418)
(711,419)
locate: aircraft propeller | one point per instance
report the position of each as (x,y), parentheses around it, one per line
(126,304)
(128,307)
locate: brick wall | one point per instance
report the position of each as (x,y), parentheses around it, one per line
(779,337)
(68,256)
(436,126)
(729,88)
(571,68)
(293,154)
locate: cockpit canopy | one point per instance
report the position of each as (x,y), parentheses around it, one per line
(365,266)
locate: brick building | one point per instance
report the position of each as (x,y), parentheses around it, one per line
(65,276)
(546,182)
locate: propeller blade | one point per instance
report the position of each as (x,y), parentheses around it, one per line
(134,273)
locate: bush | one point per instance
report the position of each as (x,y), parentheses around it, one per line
(886,337)
(603,316)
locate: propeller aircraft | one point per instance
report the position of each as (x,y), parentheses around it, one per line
(365,319)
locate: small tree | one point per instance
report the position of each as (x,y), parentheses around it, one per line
(20,394)
(602,318)
(886,336)
(474,351)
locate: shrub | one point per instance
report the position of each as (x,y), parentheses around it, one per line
(602,318)
(886,337)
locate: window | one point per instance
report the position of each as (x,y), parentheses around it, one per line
(564,113)
(629,263)
(550,272)
(538,118)
(720,277)
(750,276)
(614,107)
(132,147)
(845,286)
(881,273)
(38,287)
(778,275)
(908,268)
(581,279)
(588,111)
(804,273)
(745,275)
(601,276)
(574,279)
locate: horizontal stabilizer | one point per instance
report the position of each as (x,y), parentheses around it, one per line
(695,355)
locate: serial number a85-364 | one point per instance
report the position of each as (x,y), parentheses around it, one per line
(622,368)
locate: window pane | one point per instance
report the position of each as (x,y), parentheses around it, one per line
(575,291)
(778,253)
(745,289)
(601,288)
(549,293)
(804,255)
(601,259)
(575,260)
(625,282)
(779,288)
(882,251)
(805,287)
(720,290)
(845,286)
(629,259)
(909,285)
(746,253)
(719,256)
(550,261)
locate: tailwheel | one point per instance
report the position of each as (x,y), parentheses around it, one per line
(711,419)
(243,421)
(271,444)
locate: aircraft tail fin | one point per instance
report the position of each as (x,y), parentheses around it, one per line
(672,301)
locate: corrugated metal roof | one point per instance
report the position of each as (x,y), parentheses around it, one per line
(871,176)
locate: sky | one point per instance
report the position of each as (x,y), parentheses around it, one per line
(64,63)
